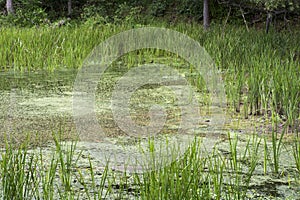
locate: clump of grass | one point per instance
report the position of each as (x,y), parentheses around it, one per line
(216,168)
(66,164)
(19,176)
(25,174)
(183,179)
(47,181)
(242,164)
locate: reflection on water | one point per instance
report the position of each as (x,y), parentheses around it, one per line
(37,81)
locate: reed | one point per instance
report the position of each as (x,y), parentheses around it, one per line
(296,150)
(259,70)
(196,175)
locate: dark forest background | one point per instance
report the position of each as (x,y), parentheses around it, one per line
(282,13)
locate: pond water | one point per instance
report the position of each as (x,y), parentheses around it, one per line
(42,103)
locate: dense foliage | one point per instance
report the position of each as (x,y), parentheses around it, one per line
(37,12)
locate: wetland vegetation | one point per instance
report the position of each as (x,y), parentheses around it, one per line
(255,155)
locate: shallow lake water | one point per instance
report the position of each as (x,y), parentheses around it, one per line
(42,103)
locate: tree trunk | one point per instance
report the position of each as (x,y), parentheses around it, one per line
(268,22)
(9,7)
(206,14)
(69,7)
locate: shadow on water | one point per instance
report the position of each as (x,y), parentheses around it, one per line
(40,81)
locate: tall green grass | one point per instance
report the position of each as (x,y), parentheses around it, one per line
(198,174)
(260,70)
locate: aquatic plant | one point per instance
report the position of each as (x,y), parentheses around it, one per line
(261,76)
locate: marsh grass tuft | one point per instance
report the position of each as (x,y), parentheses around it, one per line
(19,176)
